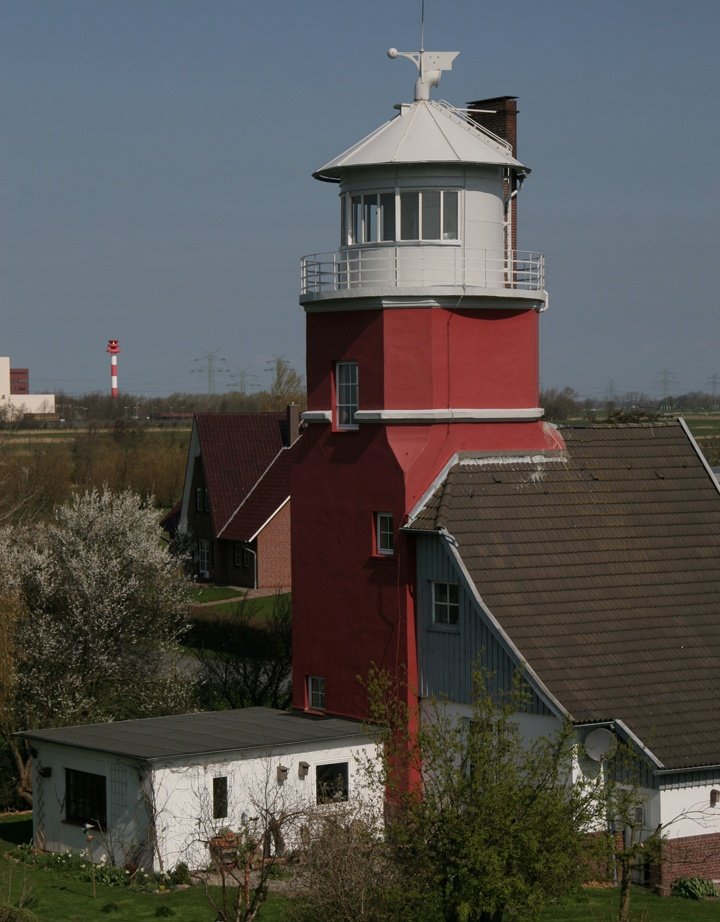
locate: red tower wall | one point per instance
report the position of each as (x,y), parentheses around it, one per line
(351,607)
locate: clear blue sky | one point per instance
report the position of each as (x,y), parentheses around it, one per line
(155,161)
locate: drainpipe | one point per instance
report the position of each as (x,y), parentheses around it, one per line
(254,557)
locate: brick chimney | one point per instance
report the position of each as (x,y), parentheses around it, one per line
(292,424)
(502,121)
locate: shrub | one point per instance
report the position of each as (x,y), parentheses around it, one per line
(180,875)
(694,888)
(13,914)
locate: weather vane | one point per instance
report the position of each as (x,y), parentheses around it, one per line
(430,64)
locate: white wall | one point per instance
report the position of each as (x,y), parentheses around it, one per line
(686,811)
(184,797)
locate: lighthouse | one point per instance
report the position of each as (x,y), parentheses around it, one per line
(422,344)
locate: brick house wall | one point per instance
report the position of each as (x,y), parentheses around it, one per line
(689,856)
(274,552)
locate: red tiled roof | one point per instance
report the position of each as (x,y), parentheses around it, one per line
(236,451)
(604,569)
(263,501)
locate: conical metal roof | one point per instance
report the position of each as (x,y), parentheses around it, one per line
(424,132)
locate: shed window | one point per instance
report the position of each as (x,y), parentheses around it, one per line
(332,783)
(220,798)
(85,798)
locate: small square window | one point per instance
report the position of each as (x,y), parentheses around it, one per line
(446,603)
(384,540)
(220,798)
(316,693)
(332,783)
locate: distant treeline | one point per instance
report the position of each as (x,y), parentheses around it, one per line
(39,470)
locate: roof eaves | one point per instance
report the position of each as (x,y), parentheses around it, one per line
(698,452)
(270,518)
(250,492)
(431,490)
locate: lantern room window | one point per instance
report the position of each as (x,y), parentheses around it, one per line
(428,214)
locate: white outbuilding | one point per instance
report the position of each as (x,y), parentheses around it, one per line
(159,791)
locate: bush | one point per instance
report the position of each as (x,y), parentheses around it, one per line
(13,914)
(180,875)
(694,888)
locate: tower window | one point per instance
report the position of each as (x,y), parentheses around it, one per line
(372,218)
(346,394)
(316,692)
(429,215)
(384,543)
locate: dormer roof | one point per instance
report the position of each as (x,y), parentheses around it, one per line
(425,131)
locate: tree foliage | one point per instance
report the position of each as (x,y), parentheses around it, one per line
(498,828)
(100,605)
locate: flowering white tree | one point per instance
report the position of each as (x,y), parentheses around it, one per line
(103,605)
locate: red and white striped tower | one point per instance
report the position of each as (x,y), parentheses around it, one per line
(113,349)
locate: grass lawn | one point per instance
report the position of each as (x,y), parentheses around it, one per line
(200,594)
(261,607)
(596,905)
(57,898)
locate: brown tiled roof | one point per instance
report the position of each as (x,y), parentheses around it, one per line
(604,569)
(263,501)
(236,450)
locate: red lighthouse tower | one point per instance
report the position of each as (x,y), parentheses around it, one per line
(422,342)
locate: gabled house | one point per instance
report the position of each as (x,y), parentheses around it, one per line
(162,790)
(596,570)
(235,508)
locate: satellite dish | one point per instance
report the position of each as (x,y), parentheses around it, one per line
(599,744)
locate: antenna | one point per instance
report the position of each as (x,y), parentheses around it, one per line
(430,64)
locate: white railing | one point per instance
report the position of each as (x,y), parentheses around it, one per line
(421,267)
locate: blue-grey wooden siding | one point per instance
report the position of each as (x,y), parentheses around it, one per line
(449,655)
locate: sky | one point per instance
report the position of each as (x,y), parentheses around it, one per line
(156,160)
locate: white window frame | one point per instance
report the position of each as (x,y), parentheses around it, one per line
(444,235)
(316,692)
(384,534)
(204,557)
(362,216)
(445,604)
(347,394)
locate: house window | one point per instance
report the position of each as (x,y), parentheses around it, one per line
(332,783)
(220,798)
(238,554)
(346,394)
(431,214)
(85,798)
(446,603)
(204,557)
(316,693)
(202,500)
(384,543)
